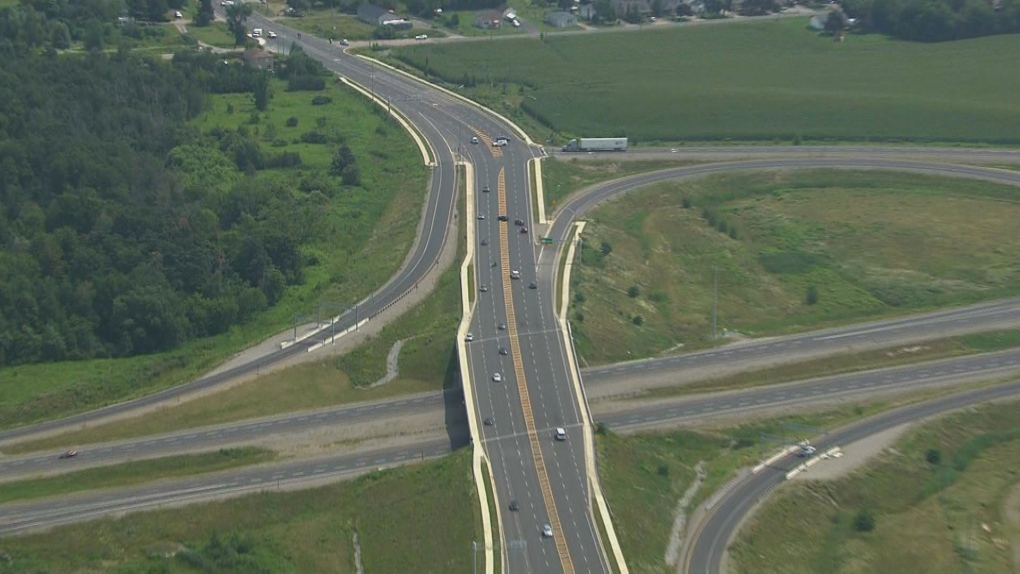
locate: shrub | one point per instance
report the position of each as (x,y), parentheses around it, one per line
(864,521)
(292,122)
(788,262)
(579,316)
(812,295)
(637,320)
(634,291)
(606,248)
(579,297)
(686,203)
(321,100)
(663,470)
(933,456)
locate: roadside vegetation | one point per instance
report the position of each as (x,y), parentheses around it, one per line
(274,196)
(945,498)
(751,81)
(133,473)
(793,251)
(427,362)
(329,24)
(427,510)
(645,475)
(853,362)
(562,177)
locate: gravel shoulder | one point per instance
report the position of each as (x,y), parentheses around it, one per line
(855,455)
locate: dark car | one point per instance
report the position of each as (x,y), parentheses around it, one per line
(504,218)
(68,454)
(532,285)
(524,230)
(489,422)
(483,288)
(502,326)
(503,351)
(485,242)
(518,222)
(486,189)
(513,506)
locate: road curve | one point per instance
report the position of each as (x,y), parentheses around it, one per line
(704,554)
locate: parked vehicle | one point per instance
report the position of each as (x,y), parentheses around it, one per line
(596,144)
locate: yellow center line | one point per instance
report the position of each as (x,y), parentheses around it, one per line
(522,385)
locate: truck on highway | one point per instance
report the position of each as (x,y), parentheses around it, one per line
(596,144)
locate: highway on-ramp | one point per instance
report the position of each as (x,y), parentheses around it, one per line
(712,535)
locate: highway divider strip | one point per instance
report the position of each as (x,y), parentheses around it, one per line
(423,145)
(522,385)
(466,308)
(520,132)
(589,434)
(774,459)
(535,164)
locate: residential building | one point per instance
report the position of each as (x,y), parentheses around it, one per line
(489,19)
(561,19)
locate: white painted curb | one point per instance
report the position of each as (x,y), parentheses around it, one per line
(589,434)
(333,339)
(774,458)
(536,164)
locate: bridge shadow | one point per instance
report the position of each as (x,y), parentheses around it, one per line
(457,430)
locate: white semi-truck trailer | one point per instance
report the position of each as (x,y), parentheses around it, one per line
(596,144)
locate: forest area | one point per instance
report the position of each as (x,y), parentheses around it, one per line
(125,230)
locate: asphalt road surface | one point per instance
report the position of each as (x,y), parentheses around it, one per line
(722,153)
(705,552)
(712,535)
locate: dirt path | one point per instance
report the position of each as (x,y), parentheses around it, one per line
(392,365)
(855,455)
(676,533)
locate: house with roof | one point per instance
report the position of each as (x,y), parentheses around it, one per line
(379,16)
(258,59)
(489,19)
(561,19)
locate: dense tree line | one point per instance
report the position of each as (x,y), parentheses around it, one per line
(935,20)
(122,229)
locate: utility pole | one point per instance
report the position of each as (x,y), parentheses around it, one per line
(474,559)
(715,299)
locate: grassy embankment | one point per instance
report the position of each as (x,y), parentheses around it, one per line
(645,475)
(372,227)
(944,499)
(419,518)
(561,178)
(130,473)
(854,362)
(747,81)
(427,361)
(794,251)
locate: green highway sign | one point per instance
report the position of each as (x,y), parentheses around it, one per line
(547,240)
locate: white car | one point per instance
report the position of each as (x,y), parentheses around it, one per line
(271,34)
(178,15)
(421,37)
(806,450)
(561,433)
(547,531)
(474,139)
(470,337)
(497,378)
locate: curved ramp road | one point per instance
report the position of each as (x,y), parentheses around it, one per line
(719,153)
(711,537)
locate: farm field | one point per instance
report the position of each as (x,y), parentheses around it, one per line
(944,498)
(367,232)
(793,250)
(428,510)
(749,81)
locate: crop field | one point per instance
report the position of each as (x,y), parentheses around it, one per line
(751,81)
(418,519)
(945,498)
(792,251)
(371,228)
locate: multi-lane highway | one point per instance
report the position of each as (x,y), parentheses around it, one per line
(712,535)
(46,513)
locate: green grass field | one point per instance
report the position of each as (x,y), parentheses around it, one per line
(414,519)
(794,251)
(372,229)
(645,475)
(215,34)
(751,81)
(931,498)
(330,24)
(561,178)
(130,473)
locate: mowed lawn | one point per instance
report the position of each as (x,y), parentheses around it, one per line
(794,250)
(420,519)
(742,81)
(943,499)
